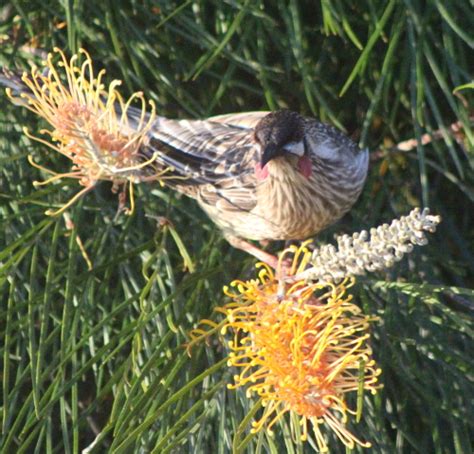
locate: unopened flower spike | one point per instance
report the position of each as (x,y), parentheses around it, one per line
(90,123)
(370,251)
(301,348)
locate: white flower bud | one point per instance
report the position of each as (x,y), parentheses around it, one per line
(374,251)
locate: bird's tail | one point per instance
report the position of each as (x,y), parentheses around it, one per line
(14,84)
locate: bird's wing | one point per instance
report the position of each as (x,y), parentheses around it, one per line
(211,160)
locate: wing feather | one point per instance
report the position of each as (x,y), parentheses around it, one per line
(212,160)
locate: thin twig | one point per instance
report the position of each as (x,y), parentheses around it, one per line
(455,128)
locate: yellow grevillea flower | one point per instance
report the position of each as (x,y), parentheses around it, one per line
(299,347)
(91,125)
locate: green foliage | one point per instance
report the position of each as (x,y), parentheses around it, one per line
(93,359)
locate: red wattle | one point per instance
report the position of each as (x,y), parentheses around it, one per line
(261,173)
(305,166)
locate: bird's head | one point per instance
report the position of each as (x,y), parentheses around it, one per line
(286,135)
(280,135)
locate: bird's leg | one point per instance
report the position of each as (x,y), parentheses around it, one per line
(282,268)
(239,243)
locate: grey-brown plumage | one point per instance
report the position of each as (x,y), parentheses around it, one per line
(263,176)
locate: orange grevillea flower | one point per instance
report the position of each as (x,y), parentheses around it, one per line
(93,126)
(300,348)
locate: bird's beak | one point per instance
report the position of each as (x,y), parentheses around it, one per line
(270,152)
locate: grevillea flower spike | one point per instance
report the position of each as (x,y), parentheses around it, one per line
(92,125)
(300,348)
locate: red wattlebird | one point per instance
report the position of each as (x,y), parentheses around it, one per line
(261,175)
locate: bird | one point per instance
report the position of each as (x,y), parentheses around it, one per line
(262,176)
(259,176)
